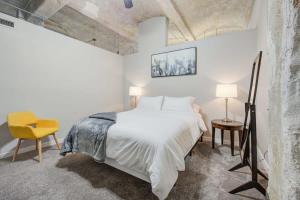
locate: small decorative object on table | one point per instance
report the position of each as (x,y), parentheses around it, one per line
(226,91)
(231,126)
(135,91)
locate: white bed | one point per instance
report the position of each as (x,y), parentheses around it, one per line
(152,145)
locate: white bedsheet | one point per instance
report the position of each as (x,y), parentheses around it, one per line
(154,143)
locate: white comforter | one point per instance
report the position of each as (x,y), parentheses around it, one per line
(154,143)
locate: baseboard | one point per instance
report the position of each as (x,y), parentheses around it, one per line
(29,148)
(206,139)
(218,140)
(262,162)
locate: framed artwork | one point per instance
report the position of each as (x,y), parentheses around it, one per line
(174,63)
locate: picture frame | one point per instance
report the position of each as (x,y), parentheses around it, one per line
(180,62)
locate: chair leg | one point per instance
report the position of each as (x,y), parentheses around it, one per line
(36,144)
(40,149)
(17,149)
(56,141)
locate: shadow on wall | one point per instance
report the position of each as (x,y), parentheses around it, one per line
(205,119)
(242,95)
(5,137)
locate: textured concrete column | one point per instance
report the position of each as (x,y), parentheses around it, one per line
(284,43)
(291,101)
(153,34)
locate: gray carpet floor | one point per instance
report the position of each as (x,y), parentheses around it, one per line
(78,177)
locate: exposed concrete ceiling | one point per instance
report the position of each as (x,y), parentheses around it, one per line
(206,16)
(115,16)
(115,28)
(72,23)
(48,8)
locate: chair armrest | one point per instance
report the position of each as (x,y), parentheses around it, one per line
(20,131)
(47,123)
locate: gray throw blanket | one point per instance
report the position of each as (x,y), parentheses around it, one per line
(88,136)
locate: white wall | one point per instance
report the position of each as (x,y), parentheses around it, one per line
(55,77)
(223,59)
(264,80)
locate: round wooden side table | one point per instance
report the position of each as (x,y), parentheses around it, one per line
(231,126)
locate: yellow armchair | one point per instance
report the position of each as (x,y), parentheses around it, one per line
(25,125)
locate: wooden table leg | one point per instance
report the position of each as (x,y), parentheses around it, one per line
(201,138)
(222,136)
(213,137)
(232,142)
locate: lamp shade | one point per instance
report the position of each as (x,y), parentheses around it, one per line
(135,91)
(226,90)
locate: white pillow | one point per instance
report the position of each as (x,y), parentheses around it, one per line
(150,103)
(180,104)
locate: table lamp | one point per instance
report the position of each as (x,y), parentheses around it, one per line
(135,91)
(226,91)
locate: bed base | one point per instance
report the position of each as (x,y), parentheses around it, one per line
(191,151)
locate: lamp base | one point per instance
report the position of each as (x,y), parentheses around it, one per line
(226,120)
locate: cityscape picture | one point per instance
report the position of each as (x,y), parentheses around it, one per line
(174,63)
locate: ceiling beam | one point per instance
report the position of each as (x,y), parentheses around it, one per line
(49,7)
(173,14)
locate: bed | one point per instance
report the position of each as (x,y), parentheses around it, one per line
(151,144)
